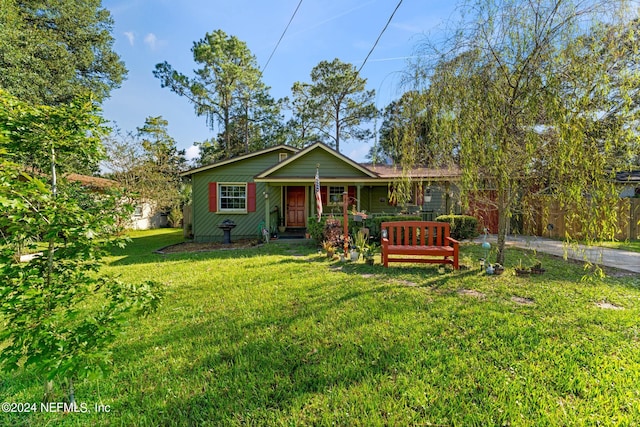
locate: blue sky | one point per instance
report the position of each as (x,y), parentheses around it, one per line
(147,32)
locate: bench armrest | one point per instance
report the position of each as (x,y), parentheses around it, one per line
(452,242)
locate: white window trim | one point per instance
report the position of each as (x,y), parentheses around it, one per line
(282,157)
(222,210)
(331,202)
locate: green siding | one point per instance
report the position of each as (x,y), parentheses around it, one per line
(330,166)
(205,223)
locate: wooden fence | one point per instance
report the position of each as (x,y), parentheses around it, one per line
(550,220)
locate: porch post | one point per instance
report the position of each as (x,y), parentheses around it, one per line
(358,187)
(267,208)
(345,225)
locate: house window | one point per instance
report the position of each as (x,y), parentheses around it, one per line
(137,211)
(282,156)
(335,195)
(233,197)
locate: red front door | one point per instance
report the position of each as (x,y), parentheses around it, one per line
(295,207)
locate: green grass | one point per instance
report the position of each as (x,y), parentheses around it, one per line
(279,335)
(629,245)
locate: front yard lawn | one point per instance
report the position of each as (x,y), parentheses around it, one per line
(279,335)
(629,245)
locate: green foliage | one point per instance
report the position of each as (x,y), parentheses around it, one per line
(228,91)
(148,166)
(538,97)
(374,223)
(461,226)
(406,134)
(334,105)
(315,227)
(48,329)
(71,131)
(55,51)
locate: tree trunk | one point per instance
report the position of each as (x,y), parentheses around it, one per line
(503,222)
(337,131)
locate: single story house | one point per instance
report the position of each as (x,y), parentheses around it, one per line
(144,217)
(274,188)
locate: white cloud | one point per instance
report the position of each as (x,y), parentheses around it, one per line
(151,40)
(192,152)
(131,36)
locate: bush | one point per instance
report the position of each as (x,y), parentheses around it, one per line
(374,223)
(462,226)
(329,229)
(315,228)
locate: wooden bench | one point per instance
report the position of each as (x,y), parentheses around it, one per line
(418,238)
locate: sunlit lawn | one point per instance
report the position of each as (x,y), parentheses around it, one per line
(279,335)
(629,245)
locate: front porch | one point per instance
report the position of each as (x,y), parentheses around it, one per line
(290,206)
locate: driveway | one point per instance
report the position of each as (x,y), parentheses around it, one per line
(616,258)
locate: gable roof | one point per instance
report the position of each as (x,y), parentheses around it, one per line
(239,158)
(305,152)
(94,182)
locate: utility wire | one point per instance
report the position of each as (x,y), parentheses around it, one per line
(379,36)
(281,37)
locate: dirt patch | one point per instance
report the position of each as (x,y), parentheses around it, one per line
(471,293)
(407,283)
(522,301)
(207,246)
(608,306)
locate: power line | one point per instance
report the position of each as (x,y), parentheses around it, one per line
(380,36)
(283,33)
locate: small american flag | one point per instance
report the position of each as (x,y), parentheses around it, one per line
(318,196)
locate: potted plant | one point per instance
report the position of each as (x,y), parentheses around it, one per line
(537,268)
(498,269)
(329,248)
(360,244)
(520,270)
(369,254)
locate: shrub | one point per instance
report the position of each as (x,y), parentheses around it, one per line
(329,229)
(374,223)
(462,226)
(315,229)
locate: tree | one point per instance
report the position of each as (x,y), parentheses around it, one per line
(51,52)
(306,116)
(406,126)
(59,313)
(148,165)
(228,91)
(339,102)
(517,95)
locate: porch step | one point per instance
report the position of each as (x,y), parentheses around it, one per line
(292,233)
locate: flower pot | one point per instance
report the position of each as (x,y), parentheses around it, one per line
(355,255)
(369,261)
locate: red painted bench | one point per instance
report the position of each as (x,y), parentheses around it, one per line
(429,240)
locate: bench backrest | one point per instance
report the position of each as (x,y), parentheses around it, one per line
(416,233)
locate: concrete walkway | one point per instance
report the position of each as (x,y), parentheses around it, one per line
(616,258)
